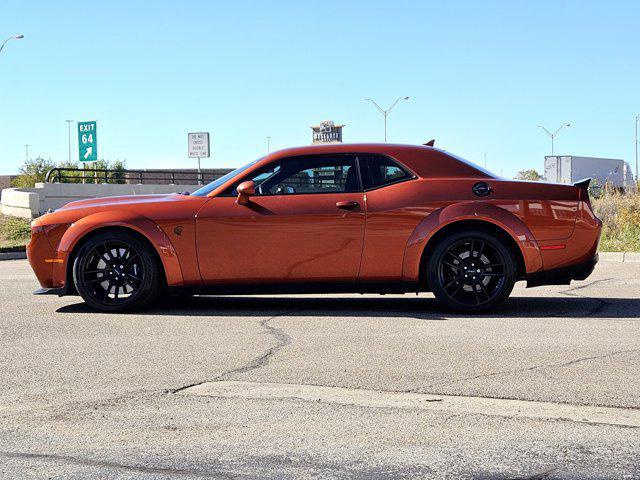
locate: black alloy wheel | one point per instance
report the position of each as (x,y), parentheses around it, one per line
(116,272)
(472,271)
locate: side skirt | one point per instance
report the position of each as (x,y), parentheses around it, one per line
(299,288)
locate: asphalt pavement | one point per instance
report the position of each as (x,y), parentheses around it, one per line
(319,386)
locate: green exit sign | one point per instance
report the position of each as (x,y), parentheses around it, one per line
(87,141)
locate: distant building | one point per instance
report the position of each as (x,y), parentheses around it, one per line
(327,132)
(570,168)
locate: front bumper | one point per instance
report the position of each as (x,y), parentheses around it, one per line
(563,276)
(60,291)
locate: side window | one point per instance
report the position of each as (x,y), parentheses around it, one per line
(378,171)
(313,174)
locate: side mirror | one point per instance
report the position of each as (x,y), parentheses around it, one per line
(245,190)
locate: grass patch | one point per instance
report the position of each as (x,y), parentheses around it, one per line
(14,233)
(620,215)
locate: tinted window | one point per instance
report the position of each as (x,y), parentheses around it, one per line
(379,171)
(316,174)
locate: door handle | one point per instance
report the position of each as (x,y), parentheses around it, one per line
(347,205)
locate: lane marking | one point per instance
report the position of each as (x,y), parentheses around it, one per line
(625,417)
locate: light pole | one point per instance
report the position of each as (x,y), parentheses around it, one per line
(17,37)
(26,153)
(386,112)
(553,135)
(637,119)
(69,122)
(268,144)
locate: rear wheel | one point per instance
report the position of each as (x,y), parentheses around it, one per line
(116,272)
(471,271)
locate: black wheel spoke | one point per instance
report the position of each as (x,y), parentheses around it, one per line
(464,276)
(484,290)
(112,272)
(99,270)
(129,275)
(456,291)
(449,264)
(455,280)
(493,265)
(456,257)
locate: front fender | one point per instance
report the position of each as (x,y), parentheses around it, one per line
(141,224)
(477,211)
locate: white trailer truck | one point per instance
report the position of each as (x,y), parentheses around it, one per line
(570,169)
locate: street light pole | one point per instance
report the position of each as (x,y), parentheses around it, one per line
(17,37)
(385,113)
(268,144)
(553,135)
(637,119)
(69,122)
(26,153)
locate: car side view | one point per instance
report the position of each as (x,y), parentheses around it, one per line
(368,218)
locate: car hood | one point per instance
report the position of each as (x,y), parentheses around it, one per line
(124,201)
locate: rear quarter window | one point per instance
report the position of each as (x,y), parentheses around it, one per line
(378,171)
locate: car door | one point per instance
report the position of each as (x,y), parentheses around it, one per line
(305,223)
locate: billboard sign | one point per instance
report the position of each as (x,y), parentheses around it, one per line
(327,132)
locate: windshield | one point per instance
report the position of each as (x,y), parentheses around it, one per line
(210,187)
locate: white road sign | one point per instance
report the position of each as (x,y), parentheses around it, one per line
(199,145)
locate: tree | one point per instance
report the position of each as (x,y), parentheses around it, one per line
(64,178)
(531,175)
(32,172)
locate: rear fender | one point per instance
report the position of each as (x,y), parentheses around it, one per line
(142,225)
(476,211)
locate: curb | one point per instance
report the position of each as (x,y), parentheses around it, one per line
(13,255)
(626,257)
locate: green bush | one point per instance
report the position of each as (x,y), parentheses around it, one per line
(14,232)
(620,215)
(32,172)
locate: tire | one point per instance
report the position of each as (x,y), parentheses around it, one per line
(471,271)
(116,271)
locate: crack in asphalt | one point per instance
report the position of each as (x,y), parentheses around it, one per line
(87,462)
(602,304)
(282,340)
(581,287)
(528,369)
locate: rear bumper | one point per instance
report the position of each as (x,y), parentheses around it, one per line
(562,276)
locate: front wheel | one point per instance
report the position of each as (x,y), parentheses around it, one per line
(116,272)
(471,271)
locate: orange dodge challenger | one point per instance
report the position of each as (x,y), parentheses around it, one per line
(368,218)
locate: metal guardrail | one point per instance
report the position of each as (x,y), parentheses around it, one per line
(79,175)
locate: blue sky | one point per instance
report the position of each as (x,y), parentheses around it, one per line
(481,76)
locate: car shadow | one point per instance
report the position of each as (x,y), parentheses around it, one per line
(423,308)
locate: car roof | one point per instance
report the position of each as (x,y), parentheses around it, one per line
(319,148)
(425,161)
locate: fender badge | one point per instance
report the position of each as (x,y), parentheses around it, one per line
(178,230)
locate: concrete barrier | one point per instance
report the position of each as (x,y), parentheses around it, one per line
(32,202)
(20,202)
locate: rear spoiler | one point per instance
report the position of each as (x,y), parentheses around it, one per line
(584,183)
